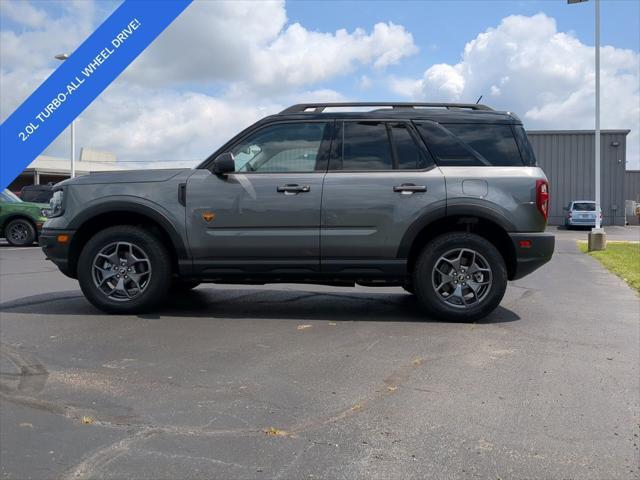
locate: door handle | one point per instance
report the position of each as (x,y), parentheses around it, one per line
(409,188)
(293,189)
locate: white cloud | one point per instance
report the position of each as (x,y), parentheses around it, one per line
(249,42)
(162,107)
(147,125)
(525,65)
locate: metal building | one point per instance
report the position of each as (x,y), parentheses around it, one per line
(632,196)
(568,157)
(632,185)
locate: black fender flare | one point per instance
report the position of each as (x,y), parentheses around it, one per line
(139,206)
(467,209)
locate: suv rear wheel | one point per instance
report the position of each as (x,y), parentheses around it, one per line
(124,269)
(460,277)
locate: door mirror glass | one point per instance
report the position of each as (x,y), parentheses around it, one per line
(224,163)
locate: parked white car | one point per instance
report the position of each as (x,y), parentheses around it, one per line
(581,213)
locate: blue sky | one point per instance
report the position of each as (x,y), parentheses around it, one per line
(442,28)
(224,64)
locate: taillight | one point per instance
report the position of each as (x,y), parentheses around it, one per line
(542,197)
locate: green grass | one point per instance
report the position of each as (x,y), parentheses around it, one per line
(622,258)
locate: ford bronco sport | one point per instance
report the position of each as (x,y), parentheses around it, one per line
(445,200)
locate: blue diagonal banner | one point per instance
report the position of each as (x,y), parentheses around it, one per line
(80,79)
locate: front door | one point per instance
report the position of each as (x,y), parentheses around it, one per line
(265,217)
(381,182)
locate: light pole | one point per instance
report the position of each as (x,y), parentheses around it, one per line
(597,237)
(63,57)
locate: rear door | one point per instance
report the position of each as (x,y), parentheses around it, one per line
(265,217)
(381,180)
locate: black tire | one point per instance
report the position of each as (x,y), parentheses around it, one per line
(178,285)
(408,287)
(480,304)
(157,260)
(20,232)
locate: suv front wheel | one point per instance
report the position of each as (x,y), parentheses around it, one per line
(124,269)
(460,277)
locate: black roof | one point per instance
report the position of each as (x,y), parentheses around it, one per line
(438,112)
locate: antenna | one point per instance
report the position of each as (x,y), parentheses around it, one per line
(479,98)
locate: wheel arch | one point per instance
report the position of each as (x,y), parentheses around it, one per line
(487,225)
(97,218)
(16,216)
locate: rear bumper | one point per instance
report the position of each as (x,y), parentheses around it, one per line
(587,222)
(532,251)
(55,251)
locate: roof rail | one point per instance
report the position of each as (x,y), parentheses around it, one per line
(319,107)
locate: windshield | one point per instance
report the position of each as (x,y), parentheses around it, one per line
(584,206)
(8,196)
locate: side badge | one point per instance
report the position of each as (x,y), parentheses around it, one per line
(208,216)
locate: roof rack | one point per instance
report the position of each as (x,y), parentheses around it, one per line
(319,107)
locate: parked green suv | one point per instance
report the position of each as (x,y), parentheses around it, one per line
(20,222)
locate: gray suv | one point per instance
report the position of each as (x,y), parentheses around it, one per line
(444,200)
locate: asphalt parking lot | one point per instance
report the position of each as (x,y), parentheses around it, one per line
(288,381)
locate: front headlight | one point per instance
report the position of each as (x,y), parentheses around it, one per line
(56,204)
(44,212)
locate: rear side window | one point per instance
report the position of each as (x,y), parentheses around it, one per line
(528,157)
(472,144)
(495,143)
(409,155)
(365,146)
(446,148)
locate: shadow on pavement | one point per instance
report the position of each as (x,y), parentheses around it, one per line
(259,304)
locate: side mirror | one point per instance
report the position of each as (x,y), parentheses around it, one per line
(224,163)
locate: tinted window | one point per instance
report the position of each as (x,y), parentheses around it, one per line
(8,196)
(285,147)
(39,195)
(446,149)
(495,143)
(584,207)
(528,157)
(365,146)
(409,154)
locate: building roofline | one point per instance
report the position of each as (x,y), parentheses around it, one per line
(576,132)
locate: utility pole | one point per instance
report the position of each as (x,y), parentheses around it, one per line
(62,57)
(597,236)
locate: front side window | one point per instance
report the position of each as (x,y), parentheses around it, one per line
(282,148)
(365,146)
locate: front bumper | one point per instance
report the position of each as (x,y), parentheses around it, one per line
(532,251)
(56,251)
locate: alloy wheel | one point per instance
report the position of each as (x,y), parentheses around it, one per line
(462,277)
(121,271)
